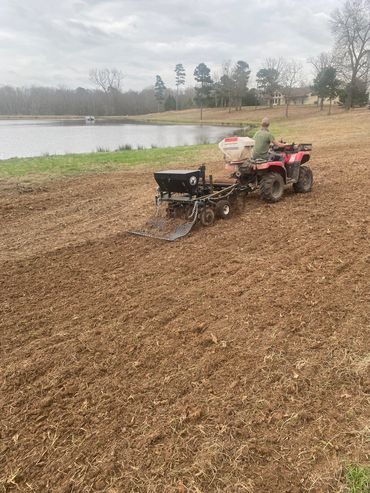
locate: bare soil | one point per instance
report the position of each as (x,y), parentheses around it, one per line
(234,360)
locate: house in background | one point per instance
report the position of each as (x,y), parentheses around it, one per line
(297,96)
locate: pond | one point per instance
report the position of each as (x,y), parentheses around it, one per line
(26,138)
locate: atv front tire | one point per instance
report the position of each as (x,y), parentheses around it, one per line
(305,180)
(272,187)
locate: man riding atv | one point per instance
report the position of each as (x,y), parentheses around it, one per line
(263,139)
(269,168)
(189,194)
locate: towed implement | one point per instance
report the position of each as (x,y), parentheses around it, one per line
(188,197)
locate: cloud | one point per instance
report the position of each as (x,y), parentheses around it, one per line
(57,43)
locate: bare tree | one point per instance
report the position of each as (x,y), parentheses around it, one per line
(106,79)
(320,62)
(81,101)
(351,27)
(226,84)
(277,64)
(290,79)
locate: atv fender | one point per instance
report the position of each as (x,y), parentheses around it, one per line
(272,166)
(294,163)
(300,157)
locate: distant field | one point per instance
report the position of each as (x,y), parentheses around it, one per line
(247,114)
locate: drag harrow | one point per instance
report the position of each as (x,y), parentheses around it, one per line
(185,198)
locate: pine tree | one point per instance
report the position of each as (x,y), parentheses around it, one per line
(203,91)
(159,92)
(268,82)
(360,94)
(326,85)
(240,78)
(170,103)
(180,81)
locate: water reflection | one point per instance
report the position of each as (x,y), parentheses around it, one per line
(25,138)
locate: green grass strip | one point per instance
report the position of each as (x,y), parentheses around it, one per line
(357,479)
(74,164)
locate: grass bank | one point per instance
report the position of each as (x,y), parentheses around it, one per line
(99,162)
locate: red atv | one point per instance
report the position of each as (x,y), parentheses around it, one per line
(286,164)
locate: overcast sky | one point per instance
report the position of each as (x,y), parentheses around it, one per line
(57,42)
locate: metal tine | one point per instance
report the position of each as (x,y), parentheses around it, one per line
(159,223)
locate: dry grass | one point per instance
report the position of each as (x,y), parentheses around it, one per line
(246,115)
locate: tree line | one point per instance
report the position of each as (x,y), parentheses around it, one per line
(343,73)
(81,101)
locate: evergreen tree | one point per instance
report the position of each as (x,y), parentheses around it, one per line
(240,77)
(159,91)
(359,96)
(226,85)
(251,98)
(170,103)
(268,82)
(326,85)
(203,90)
(226,88)
(180,81)
(319,63)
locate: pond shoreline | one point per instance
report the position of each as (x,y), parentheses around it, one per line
(58,166)
(42,137)
(148,119)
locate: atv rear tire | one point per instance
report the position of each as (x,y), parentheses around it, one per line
(223,209)
(207,216)
(272,187)
(305,180)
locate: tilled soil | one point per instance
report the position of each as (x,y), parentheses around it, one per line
(233,360)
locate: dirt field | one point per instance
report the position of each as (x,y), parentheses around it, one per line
(234,360)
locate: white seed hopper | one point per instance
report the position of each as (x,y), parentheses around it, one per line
(236,149)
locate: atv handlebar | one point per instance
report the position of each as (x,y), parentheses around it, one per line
(292,147)
(281,146)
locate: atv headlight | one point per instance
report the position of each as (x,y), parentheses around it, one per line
(193,181)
